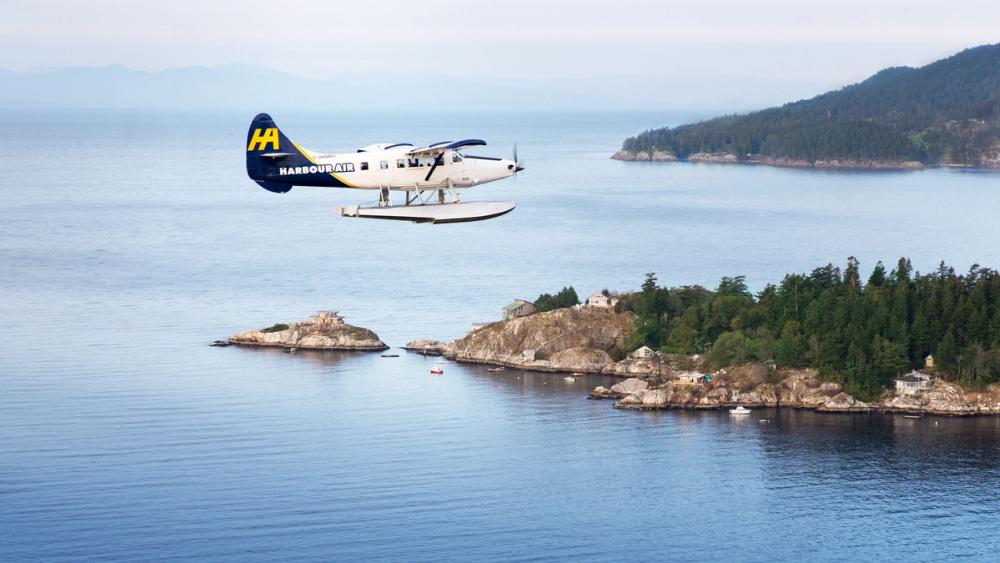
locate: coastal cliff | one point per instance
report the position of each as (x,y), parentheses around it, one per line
(572,339)
(325,330)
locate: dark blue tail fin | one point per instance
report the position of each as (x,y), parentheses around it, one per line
(268,149)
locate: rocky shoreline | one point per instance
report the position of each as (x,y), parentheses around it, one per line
(570,340)
(581,340)
(759,386)
(656,155)
(325,330)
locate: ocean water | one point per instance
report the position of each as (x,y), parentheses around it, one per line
(129,241)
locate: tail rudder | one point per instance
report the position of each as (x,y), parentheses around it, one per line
(268,149)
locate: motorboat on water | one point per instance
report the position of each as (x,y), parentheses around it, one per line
(569,379)
(740,409)
(437,370)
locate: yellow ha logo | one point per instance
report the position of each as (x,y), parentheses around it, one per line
(263,137)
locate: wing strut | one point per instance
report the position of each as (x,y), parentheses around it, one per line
(437,161)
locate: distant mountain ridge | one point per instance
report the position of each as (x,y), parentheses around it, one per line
(946,113)
(252,88)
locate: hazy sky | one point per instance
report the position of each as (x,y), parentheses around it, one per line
(724,41)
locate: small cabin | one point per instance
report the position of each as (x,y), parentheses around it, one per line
(689,377)
(929,362)
(913,383)
(643,353)
(519,308)
(601,300)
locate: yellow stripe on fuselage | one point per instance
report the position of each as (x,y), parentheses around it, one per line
(306,154)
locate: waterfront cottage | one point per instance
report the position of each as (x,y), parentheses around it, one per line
(519,308)
(913,383)
(643,353)
(689,378)
(601,300)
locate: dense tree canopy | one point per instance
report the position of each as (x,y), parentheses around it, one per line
(860,333)
(946,111)
(566,297)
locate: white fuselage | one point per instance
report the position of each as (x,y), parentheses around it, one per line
(391,167)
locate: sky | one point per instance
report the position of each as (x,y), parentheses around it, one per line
(707,47)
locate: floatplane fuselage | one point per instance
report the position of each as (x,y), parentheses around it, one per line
(430,175)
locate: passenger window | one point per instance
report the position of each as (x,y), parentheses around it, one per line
(414,162)
(400,163)
(456,157)
(364,166)
(384,165)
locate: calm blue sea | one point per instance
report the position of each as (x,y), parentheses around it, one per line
(129,241)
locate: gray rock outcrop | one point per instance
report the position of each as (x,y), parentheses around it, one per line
(325,330)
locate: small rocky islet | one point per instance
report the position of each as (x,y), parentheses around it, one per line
(326,330)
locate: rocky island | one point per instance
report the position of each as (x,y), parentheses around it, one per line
(825,341)
(573,339)
(326,330)
(946,114)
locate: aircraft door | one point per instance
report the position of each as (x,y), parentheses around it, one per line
(458,169)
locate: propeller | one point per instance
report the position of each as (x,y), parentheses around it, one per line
(517,163)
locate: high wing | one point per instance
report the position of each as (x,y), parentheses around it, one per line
(438,148)
(437,151)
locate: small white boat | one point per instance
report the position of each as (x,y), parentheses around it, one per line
(739,410)
(569,379)
(436,370)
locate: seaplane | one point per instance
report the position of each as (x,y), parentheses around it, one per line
(429,176)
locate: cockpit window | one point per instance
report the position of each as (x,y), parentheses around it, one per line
(455,157)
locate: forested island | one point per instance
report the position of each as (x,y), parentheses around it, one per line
(855,331)
(832,340)
(946,113)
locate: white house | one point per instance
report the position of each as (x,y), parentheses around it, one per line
(519,308)
(601,300)
(643,353)
(913,383)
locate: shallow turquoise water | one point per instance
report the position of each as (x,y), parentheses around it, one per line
(128,242)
